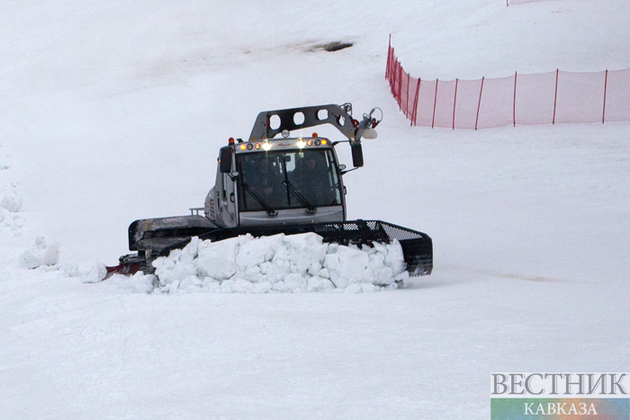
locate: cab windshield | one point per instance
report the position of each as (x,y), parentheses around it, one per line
(287,179)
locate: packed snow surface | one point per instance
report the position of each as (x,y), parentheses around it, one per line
(115,111)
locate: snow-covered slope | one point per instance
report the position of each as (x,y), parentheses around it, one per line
(114,111)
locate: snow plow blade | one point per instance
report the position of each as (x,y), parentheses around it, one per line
(157,237)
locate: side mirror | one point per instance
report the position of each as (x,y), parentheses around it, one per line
(357,155)
(225,160)
(342,167)
(233,175)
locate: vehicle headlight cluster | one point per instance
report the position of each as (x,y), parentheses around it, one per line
(266,145)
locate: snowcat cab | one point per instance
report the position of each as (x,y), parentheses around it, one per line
(291,185)
(287,180)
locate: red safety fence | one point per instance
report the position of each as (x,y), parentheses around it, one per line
(547,98)
(510,2)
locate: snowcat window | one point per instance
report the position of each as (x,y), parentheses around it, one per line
(280,177)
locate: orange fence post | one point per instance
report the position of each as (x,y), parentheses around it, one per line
(434,104)
(555,99)
(394,77)
(400,86)
(389,58)
(514,106)
(455,101)
(605,90)
(479,104)
(407,114)
(403,104)
(414,118)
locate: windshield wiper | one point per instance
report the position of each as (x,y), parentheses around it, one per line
(271,212)
(309,207)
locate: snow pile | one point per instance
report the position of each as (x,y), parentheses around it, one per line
(10,204)
(279,263)
(10,199)
(42,252)
(94,273)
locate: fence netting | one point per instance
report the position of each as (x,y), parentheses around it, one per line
(546,98)
(511,2)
